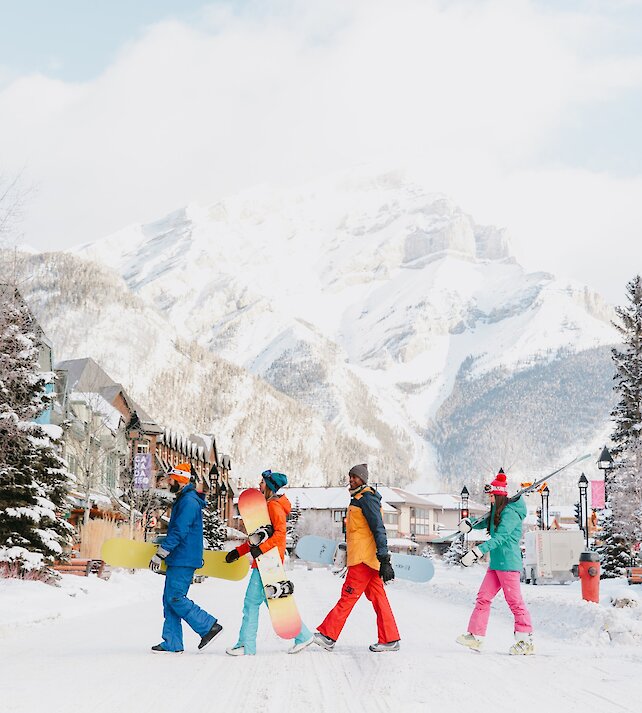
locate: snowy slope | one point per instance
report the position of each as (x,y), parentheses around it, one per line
(88,311)
(358,293)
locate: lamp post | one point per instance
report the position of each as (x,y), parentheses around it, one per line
(545,494)
(605,464)
(583,486)
(463,512)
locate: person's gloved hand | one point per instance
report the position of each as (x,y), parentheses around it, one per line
(256,551)
(156,561)
(465,525)
(472,556)
(232,556)
(386,571)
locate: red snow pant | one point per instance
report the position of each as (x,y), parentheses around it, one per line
(362,579)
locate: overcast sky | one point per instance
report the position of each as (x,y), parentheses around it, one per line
(527,113)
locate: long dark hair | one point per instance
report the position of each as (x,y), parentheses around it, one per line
(501,501)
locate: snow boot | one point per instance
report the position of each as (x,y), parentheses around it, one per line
(380,648)
(474,643)
(523,645)
(236,651)
(211,635)
(160,649)
(299,647)
(325,642)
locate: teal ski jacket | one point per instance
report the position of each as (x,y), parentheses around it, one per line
(505,553)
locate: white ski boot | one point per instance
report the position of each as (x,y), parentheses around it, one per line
(235,651)
(523,645)
(380,648)
(470,641)
(325,642)
(299,647)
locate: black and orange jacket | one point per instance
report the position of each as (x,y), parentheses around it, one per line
(365,532)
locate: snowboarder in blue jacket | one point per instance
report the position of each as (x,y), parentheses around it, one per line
(182,551)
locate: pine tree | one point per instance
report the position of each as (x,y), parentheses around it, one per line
(455,552)
(293,522)
(623,520)
(214,529)
(33,481)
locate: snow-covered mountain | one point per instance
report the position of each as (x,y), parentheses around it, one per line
(384,309)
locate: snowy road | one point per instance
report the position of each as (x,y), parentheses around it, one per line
(98,659)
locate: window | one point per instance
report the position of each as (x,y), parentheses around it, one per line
(391,518)
(339,515)
(142,447)
(419,521)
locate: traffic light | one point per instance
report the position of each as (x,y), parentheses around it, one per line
(578,514)
(464,513)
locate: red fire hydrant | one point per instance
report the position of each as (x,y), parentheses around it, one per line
(589,571)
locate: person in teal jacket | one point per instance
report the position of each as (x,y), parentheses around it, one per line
(504,525)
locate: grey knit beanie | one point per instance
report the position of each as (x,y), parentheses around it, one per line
(361,471)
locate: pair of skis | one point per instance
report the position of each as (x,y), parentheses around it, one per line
(528,489)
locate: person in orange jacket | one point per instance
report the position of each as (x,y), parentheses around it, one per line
(279,508)
(368,567)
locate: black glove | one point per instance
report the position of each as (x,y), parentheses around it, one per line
(386,571)
(232,556)
(256,551)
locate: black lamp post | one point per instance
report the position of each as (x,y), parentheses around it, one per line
(605,464)
(583,486)
(463,512)
(545,494)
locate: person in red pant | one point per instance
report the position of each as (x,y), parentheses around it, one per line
(368,567)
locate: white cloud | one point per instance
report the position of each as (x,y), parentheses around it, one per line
(283,92)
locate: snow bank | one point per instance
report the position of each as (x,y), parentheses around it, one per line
(556,609)
(25,602)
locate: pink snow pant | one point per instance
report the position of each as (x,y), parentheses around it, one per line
(494,581)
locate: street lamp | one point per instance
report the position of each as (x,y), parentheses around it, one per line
(583,486)
(545,494)
(605,464)
(463,512)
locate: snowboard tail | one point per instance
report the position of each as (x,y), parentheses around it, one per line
(131,554)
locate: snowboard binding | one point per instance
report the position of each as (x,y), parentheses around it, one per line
(279,590)
(260,534)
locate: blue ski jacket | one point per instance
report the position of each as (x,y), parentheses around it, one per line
(184,540)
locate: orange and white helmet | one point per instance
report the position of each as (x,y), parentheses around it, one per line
(181,473)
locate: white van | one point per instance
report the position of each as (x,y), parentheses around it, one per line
(549,555)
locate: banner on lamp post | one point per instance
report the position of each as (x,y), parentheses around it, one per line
(142,471)
(597,494)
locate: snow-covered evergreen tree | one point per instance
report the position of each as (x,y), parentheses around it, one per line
(623,521)
(454,553)
(214,529)
(628,364)
(426,552)
(293,523)
(33,481)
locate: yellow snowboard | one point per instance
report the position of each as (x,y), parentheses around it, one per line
(131,554)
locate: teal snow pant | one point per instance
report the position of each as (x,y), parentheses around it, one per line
(254,597)
(177,607)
